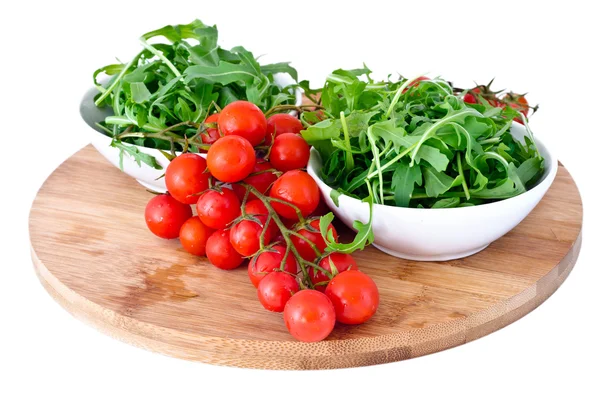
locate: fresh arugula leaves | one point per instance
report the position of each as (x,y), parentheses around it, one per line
(166,85)
(417,144)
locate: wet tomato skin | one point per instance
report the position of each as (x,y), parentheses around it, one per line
(186,176)
(164,216)
(309,315)
(354,295)
(281,123)
(220,252)
(276,289)
(193,236)
(231,158)
(298,188)
(245,119)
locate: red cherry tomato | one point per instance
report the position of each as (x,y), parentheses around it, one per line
(289,152)
(282,123)
(231,158)
(309,316)
(165,215)
(218,209)
(256,207)
(193,236)
(276,289)
(220,252)
(211,135)
(314,236)
(262,181)
(186,176)
(354,296)
(298,188)
(342,262)
(244,119)
(415,82)
(245,235)
(268,261)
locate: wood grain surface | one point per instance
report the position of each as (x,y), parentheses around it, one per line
(93,253)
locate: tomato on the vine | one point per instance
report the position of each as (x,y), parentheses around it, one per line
(245,119)
(220,252)
(165,215)
(269,261)
(354,295)
(245,235)
(281,123)
(211,134)
(297,188)
(276,289)
(314,236)
(517,102)
(231,158)
(217,209)
(262,181)
(289,152)
(186,176)
(341,262)
(193,236)
(309,316)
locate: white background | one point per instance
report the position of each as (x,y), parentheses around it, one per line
(48,53)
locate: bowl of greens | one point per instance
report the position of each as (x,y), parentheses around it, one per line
(143,112)
(428,175)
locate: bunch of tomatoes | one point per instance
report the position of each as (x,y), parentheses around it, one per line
(254,202)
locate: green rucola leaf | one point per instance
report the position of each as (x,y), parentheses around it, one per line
(364,232)
(450,202)
(136,154)
(437,183)
(226,73)
(403,182)
(139,92)
(323,130)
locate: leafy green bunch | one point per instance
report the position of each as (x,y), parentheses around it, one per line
(161,95)
(418,144)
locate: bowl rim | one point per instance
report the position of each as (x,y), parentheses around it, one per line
(542,185)
(88,97)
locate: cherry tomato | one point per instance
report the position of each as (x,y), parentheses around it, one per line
(298,188)
(193,236)
(165,215)
(245,235)
(275,289)
(309,316)
(289,152)
(262,181)
(218,209)
(314,236)
(518,102)
(244,119)
(268,261)
(256,207)
(342,262)
(211,135)
(220,252)
(354,296)
(282,123)
(186,176)
(231,158)
(415,82)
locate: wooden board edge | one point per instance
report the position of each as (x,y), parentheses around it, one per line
(323,355)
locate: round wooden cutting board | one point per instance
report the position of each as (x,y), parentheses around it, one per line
(93,253)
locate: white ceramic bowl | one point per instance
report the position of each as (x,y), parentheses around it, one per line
(144,174)
(445,233)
